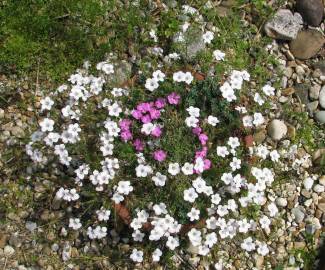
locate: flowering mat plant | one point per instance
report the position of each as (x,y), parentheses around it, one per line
(165,161)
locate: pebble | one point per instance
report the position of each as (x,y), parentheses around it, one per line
(284,25)
(8,251)
(307,44)
(298,214)
(314,92)
(312,106)
(308,183)
(281,202)
(312,11)
(322,97)
(319,188)
(321,206)
(322,180)
(310,228)
(320,116)
(277,129)
(31,226)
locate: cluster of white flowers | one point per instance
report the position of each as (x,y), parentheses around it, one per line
(234,82)
(153,83)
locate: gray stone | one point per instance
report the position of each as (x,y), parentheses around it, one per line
(298,214)
(312,11)
(320,65)
(312,106)
(320,116)
(314,92)
(319,188)
(301,90)
(284,25)
(31,226)
(307,44)
(277,129)
(310,228)
(281,202)
(122,73)
(322,97)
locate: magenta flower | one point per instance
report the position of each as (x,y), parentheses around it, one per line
(203,138)
(126,135)
(146,119)
(156,132)
(125,124)
(207,164)
(197,131)
(159,155)
(202,153)
(155,114)
(138,144)
(160,103)
(173,98)
(136,114)
(144,107)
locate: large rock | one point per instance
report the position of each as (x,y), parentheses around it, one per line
(312,11)
(284,25)
(277,129)
(322,97)
(320,117)
(307,44)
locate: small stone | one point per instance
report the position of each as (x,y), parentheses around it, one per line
(308,183)
(299,245)
(322,180)
(260,136)
(281,202)
(8,251)
(298,214)
(15,240)
(288,72)
(31,226)
(312,11)
(18,132)
(284,25)
(3,240)
(322,97)
(312,107)
(259,262)
(320,116)
(321,206)
(307,44)
(300,70)
(277,129)
(301,90)
(314,92)
(319,188)
(310,228)
(288,91)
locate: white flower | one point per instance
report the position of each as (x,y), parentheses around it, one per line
(207,37)
(46,103)
(215,199)
(172,242)
(103,214)
(219,55)
(137,255)
(199,165)
(258,119)
(137,236)
(268,90)
(158,75)
(156,255)
(211,239)
(195,237)
(272,209)
(262,249)
(187,168)
(159,179)
(151,84)
(199,184)
(211,223)
(212,120)
(108,68)
(124,187)
(188,77)
(75,223)
(233,142)
(222,151)
(190,195)
(222,210)
(248,244)
(248,121)
(143,170)
(258,99)
(265,222)
(147,128)
(194,214)
(173,168)
(191,121)
(114,109)
(193,111)
(274,155)
(245,75)
(243,226)
(227,92)
(117,198)
(235,164)
(179,76)
(47,124)
(160,209)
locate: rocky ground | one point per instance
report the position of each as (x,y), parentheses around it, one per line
(297,30)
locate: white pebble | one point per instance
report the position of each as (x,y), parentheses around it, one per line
(8,251)
(319,188)
(308,183)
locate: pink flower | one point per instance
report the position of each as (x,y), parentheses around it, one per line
(144,107)
(136,114)
(138,144)
(173,98)
(146,119)
(203,138)
(207,164)
(156,132)
(197,130)
(126,135)
(155,114)
(160,103)
(202,153)
(159,155)
(125,124)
